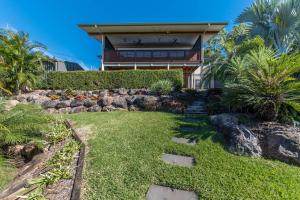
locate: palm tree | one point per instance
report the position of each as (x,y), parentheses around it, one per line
(276,21)
(21,60)
(267,84)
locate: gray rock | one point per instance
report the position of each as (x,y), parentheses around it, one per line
(119,102)
(51,93)
(132,92)
(104,93)
(40,100)
(32,97)
(29,151)
(105,101)
(148,102)
(132,108)
(62,104)
(238,138)
(121,91)
(78,109)
(89,103)
(94,108)
(65,110)
(76,103)
(52,110)
(108,109)
(284,146)
(49,104)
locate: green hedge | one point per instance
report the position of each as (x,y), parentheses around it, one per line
(93,80)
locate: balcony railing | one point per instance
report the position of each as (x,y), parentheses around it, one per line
(142,56)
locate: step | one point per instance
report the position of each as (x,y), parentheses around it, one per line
(157,192)
(186,141)
(183,161)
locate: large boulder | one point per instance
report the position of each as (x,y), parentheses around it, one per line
(238,138)
(49,104)
(105,101)
(147,102)
(119,102)
(76,103)
(284,146)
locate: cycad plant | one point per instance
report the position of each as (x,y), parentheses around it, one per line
(21,60)
(267,84)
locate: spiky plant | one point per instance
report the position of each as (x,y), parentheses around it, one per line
(267,84)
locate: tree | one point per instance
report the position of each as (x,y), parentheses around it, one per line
(21,60)
(276,21)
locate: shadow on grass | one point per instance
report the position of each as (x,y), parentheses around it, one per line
(197,127)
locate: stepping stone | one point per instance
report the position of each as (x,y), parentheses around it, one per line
(184,161)
(189,129)
(183,141)
(157,192)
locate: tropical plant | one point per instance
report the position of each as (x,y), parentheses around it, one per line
(266,84)
(21,60)
(276,21)
(163,87)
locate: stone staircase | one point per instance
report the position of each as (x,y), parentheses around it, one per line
(197,107)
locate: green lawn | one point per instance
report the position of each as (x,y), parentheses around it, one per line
(125,159)
(7,172)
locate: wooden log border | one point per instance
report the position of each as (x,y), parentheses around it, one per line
(76,190)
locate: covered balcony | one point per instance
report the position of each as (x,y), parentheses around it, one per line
(152,56)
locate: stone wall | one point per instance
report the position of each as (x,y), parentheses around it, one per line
(58,101)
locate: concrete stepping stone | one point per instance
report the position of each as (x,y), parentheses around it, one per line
(189,129)
(157,192)
(181,140)
(184,161)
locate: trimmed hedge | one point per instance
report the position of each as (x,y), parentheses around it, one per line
(94,80)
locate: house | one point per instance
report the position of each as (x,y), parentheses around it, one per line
(155,46)
(58,65)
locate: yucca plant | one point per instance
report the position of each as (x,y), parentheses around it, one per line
(267,84)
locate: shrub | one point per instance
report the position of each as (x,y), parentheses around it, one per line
(94,80)
(162,87)
(266,85)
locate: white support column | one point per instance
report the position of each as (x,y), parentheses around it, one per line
(135,67)
(102,58)
(168,67)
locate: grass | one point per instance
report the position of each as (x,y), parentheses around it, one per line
(125,151)
(7,172)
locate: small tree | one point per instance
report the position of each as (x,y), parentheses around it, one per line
(21,60)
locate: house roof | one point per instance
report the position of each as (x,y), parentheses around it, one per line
(158,28)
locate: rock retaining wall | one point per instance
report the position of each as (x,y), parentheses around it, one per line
(58,101)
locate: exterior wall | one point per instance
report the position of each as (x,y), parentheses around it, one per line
(61,66)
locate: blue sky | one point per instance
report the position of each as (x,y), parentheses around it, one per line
(54,22)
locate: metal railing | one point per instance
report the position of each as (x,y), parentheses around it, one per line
(136,56)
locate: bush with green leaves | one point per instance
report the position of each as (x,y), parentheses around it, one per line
(163,87)
(95,80)
(23,124)
(265,84)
